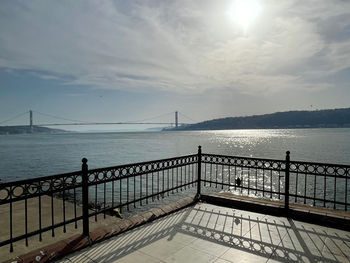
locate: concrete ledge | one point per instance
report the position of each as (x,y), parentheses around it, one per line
(78,242)
(314,215)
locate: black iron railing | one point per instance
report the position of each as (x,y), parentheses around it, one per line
(87,193)
(316,184)
(59,200)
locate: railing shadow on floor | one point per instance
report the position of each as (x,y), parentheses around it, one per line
(276,238)
(133,240)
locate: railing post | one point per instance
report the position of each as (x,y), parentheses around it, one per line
(199,172)
(286,186)
(85,190)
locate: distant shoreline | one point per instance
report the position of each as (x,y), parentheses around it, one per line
(336,118)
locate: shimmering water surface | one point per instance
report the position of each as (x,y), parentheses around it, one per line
(33,155)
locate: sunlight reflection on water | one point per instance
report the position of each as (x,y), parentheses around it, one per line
(25,156)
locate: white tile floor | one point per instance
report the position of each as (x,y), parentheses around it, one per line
(208,233)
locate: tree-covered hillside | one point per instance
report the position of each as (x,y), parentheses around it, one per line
(278,120)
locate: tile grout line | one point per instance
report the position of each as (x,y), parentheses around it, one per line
(277,246)
(155,258)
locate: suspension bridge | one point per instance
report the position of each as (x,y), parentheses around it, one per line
(70,122)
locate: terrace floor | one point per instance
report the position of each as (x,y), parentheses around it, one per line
(209,233)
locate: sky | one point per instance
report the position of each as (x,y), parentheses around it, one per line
(111,61)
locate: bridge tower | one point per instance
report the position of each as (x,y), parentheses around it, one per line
(176,119)
(31,121)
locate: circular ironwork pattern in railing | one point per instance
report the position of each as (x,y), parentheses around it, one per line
(116,173)
(320,169)
(244,162)
(18,190)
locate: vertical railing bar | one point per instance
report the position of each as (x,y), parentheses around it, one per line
(235,177)
(188,175)
(182,183)
(141,189)
(314,201)
(346,192)
(134,191)
(85,196)
(242,175)
(152,187)
(193,167)
(104,197)
(113,190)
(127,194)
(248,181)
(40,226)
(163,181)
(335,191)
(158,185)
(185,176)
(256,181)
(96,200)
(75,208)
(271,183)
(216,176)
(146,188)
(26,218)
(222,176)
(211,169)
(305,181)
(64,210)
(279,184)
(177,179)
(199,171)
(168,181)
(120,191)
(205,174)
(11,234)
(263,175)
(229,177)
(296,186)
(172,180)
(324,187)
(286,182)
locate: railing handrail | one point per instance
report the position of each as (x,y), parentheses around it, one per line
(347,166)
(242,157)
(275,160)
(38,179)
(122,166)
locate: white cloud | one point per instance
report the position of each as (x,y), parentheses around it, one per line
(179,46)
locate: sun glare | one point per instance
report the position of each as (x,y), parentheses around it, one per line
(244,12)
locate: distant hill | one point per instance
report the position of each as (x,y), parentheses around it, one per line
(26,129)
(335,118)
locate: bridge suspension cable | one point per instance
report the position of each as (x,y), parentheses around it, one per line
(14,117)
(156,117)
(59,118)
(187,117)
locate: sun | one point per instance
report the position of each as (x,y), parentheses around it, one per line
(245,12)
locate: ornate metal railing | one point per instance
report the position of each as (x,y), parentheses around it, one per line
(316,184)
(83,194)
(88,193)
